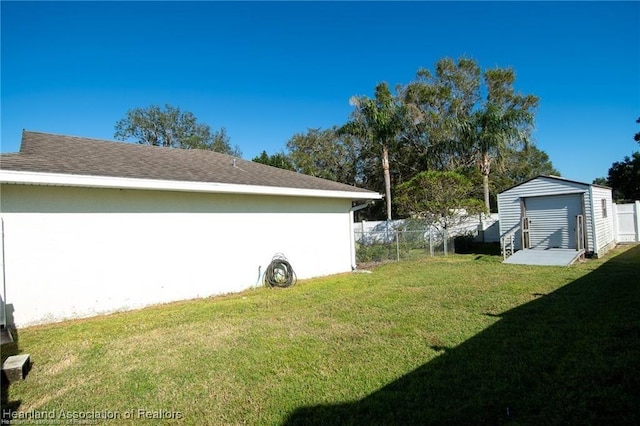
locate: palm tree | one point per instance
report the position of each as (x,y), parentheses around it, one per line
(503,123)
(380,121)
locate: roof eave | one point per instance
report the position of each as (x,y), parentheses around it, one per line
(90,181)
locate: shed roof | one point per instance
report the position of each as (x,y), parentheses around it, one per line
(557,178)
(70,155)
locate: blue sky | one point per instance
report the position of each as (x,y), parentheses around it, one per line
(268,70)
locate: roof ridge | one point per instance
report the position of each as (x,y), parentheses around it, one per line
(119,142)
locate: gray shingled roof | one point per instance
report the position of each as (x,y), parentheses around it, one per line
(49,153)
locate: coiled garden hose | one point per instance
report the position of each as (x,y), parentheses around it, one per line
(279,273)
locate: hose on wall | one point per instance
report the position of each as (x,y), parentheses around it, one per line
(279,273)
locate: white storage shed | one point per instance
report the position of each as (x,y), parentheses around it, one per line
(550,212)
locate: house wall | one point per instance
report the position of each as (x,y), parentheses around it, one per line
(603,220)
(75,252)
(509,204)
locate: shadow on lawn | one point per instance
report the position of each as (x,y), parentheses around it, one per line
(567,357)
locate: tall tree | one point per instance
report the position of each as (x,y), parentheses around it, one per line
(326,154)
(437,103)
(379,121)
(518,166)
(453,126)
(170,127)
(601,181)
(523,164)
(503,122)
(624,178)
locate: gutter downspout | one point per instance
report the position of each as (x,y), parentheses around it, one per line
(352,232)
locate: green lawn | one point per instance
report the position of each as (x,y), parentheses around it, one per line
(457,339)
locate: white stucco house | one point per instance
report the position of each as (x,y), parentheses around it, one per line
(92,226)
(550,212)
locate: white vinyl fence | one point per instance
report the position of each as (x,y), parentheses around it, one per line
(626,222)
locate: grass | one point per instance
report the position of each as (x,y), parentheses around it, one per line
(457,339)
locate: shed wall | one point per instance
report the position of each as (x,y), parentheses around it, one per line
(75,252)
(603,219)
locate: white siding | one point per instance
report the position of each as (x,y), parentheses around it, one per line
(74,252)
(603,225)
(509,203)
(509,210)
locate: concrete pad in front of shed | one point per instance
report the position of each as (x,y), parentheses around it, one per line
(549,257)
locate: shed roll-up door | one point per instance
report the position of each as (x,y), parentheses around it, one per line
(552,220)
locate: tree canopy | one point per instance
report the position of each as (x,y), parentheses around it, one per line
(439,105)
(460,117)
(279,160)
(327,154)
(624,178)
(441,198)
(172,128)
(455,118)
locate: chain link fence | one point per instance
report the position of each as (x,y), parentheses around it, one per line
(392,241)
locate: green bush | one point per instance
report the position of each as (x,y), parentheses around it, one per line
(373,252)
(464,243)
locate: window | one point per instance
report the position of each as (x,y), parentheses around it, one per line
(604,207)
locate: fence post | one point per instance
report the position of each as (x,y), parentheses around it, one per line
(444,241)
(430,241)
(397,245)
(386,230)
